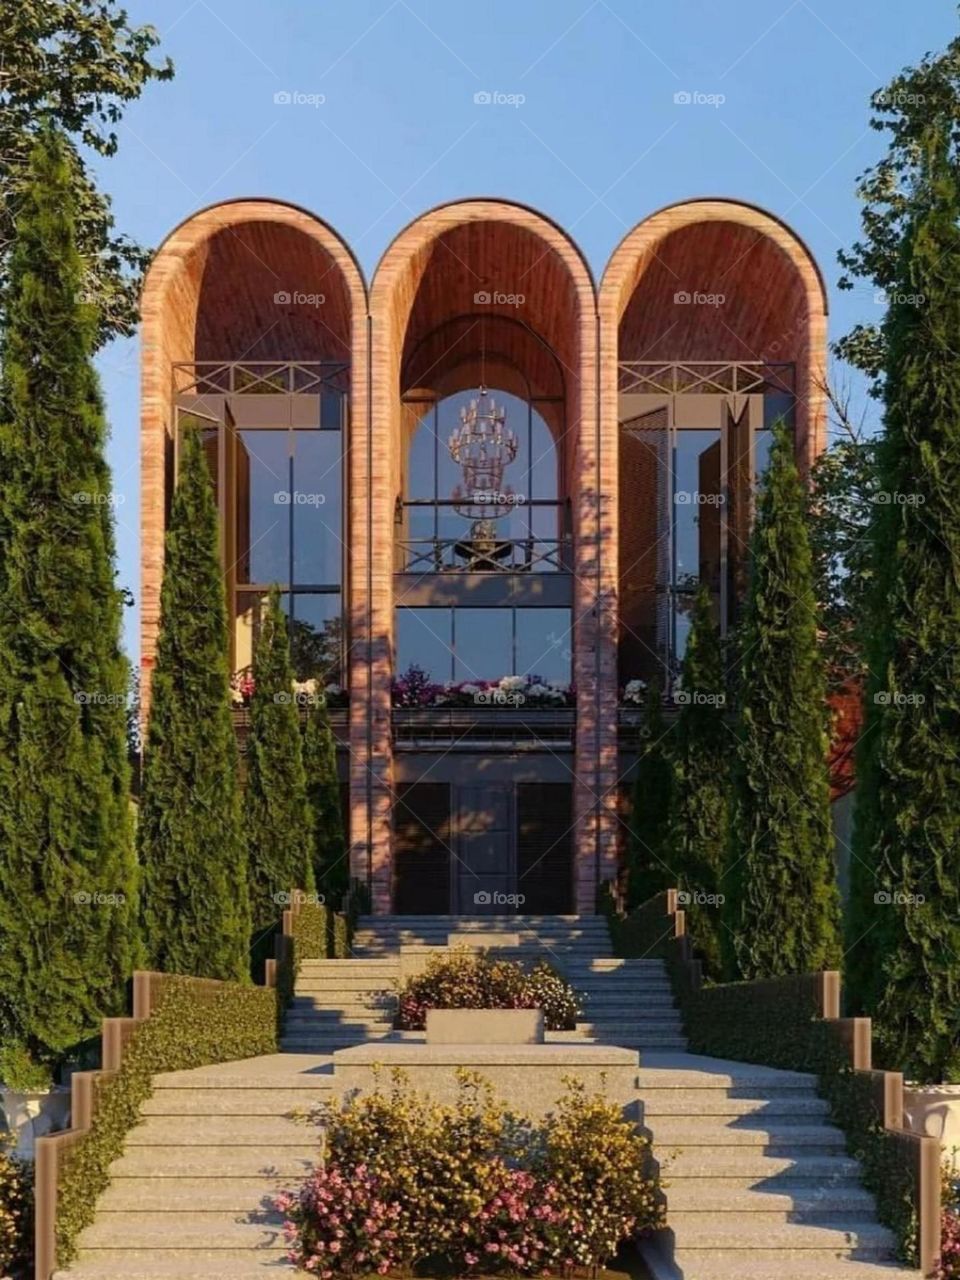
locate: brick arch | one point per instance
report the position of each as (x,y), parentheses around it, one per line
(438,267)
(211,294)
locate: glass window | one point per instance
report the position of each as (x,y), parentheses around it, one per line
(316,636)
(317,515)
(482,644)
(544,644)
(425,639)
(263,506)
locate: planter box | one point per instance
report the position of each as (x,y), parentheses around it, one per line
(33,1115)
(934,1110)
(485,1026)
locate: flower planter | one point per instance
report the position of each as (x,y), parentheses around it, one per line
(485,1026)
(32,1115)
(934,1110)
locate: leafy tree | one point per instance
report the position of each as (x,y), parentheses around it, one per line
(782,898)
(649,868)
(904,928)
(196,909)
(76,63)
(277,814)
(701,753)
(330,860)
(840,510)
(67,875)
(917,100)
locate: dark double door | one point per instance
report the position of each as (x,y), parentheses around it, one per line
(483,849)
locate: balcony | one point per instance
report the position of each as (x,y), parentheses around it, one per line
(484,728)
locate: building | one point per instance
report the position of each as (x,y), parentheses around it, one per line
(563,542)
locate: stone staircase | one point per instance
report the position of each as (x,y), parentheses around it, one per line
(758,1182)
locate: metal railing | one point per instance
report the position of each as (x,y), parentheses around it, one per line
(471,728)
(496,555)
(260,377)
(706,377)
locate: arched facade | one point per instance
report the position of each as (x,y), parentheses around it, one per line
(475,293)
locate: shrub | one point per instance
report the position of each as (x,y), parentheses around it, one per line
(468,980)
(950,1222)
(470,1186)
(16,1216)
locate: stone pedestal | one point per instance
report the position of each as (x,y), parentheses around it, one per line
(934,1110)
(485,1026)
(529,1078)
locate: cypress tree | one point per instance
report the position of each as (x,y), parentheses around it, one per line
(783,912)
(196,911)
(67,873)
(904,924)
(330,865)
(649,870)
(277,815)
(702,751)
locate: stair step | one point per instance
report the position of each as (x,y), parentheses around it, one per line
(780,1196)
(714,1102)
(232,1102)
(149,1264)
(718,1232)
(218,1131)
(176,1195)
(218,1229)
(750,1165)
(706,1131)
(306,986)
(176,1161)
(749,1078)
(729,1265)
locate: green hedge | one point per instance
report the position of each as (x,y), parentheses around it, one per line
(646,933)
(195,1023)
(318,934)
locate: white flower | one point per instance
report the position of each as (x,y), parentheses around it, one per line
(470,688)
(236,697)
(333,690)
(510,684)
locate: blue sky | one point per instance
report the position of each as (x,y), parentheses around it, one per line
(593,135)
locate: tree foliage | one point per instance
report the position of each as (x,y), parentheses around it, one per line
(649,869)
(919,99)
(277,814)
(76,63)
(783,911)
(330,859)
(196,909)
(904,931)
(702,749)
(67,882)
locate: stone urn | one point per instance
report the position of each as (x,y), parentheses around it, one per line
(32,1115)
(934,1110)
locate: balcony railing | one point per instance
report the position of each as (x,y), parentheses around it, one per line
(259,377)
(496,555)
(706,377)
(484,728)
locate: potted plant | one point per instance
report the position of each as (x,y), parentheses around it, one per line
(31,1103)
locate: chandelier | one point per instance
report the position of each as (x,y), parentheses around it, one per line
(483,446)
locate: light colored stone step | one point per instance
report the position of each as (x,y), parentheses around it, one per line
(177,1195)
(721,1232)
(781,1196)
(178,1161)
(217,1131)
(194,1230)
(712,1265)
(747,1077)
(233,1102)
(187,1264)
(705,1131)
(750,1165)
(307,985)
(716,1102)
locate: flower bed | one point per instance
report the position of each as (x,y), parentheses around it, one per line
(16,1216)
(950,1222)
(415,689)
(305,693)
(471,980)
(470,1188)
